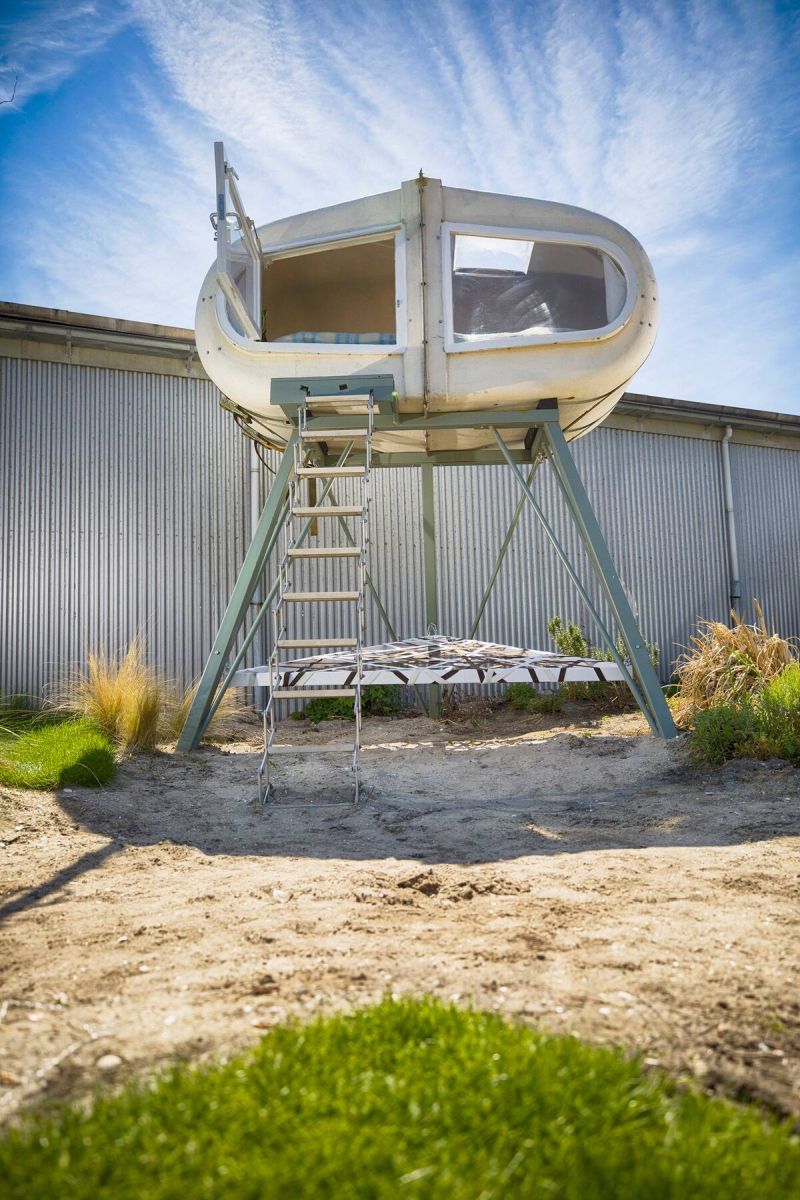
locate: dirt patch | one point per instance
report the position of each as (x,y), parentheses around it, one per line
(584,878)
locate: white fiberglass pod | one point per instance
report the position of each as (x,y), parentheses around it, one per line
(469,300)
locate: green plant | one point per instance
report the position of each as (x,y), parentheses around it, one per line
(380,700)
(525,698)
(377,700)
(727,731)
(46,751)
(570,639)
(762,725)
(779,715)
(407,1099)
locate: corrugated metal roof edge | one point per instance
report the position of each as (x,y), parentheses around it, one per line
(35,323)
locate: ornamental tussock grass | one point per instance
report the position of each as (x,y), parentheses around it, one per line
(136,706)
(406,1099)
(726,664)
(45,751)
(123,695)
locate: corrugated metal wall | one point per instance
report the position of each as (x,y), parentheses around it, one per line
(766,486)
(124,506)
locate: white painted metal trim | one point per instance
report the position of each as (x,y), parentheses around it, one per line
(368,233)
(537,339)
(232,294)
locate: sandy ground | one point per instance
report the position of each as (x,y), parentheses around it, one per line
(588,880)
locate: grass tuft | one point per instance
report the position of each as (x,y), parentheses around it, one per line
(42,751)
(137,707)
(123,695)
(409,1099)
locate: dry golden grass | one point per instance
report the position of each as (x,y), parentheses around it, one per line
(123,695)
(726,663)
(135,705)
(223,725)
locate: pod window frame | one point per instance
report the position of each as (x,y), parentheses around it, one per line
(516,341)
(317,244)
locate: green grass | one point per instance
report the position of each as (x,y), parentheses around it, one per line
(46,751)
(408,1099)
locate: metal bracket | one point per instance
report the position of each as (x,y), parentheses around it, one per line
(290,394)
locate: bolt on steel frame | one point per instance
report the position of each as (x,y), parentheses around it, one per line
(544,440)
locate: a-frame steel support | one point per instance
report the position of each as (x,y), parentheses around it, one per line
(637,669)
(264,537)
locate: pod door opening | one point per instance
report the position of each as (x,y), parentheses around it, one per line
(342,294)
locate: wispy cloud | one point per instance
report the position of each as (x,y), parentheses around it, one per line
(679,120)
(45,43)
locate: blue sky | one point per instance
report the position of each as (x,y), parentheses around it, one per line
(680,120)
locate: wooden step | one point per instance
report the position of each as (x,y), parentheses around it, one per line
(311,643)
(324,552)
(328,511)
(309,597)
(323,748)
(330,472)
(319,693)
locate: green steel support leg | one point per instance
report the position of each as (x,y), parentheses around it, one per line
(504,548)
(431,581)
(583,514)
(264,539)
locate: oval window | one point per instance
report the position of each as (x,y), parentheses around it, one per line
(521,287)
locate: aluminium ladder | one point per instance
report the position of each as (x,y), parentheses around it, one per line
(294,606)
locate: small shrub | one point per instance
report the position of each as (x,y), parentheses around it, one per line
(722,733)
(380,700)
(779,715)
(525,698)
(50,752)
(570,640)
(333,708)
(376,701)
(762,726)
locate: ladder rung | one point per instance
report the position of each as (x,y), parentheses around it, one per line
(311,693)
(326,472)
(310,643)
(325,748)
(328,511)
(325,552)
(324,435)
(304,597)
